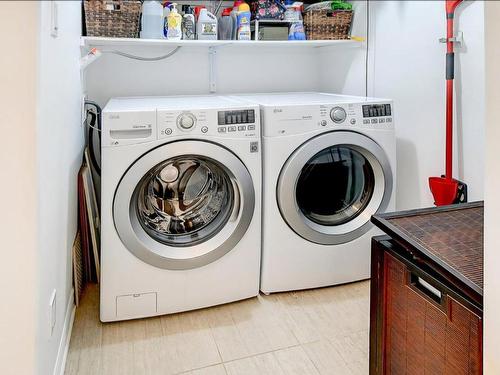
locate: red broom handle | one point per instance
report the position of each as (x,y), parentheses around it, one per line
(450,75)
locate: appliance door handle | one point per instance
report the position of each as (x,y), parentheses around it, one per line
(237,201)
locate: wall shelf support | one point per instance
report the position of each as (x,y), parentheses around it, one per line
(212,74)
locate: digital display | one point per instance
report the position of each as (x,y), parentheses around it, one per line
(376,110)
(236,117)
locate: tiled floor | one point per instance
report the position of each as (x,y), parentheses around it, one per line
(322,331)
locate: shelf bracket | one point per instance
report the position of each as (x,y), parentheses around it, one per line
(212,76)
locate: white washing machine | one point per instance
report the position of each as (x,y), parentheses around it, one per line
(180,207)
(329,165)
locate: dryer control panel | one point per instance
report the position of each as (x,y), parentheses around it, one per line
(299,119)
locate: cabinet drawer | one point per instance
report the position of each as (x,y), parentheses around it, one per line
(426,330)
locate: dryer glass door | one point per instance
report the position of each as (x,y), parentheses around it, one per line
(332,184)
(184,204)
(335,186)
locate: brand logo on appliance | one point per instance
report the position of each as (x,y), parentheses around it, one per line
(277,110)
(114,117)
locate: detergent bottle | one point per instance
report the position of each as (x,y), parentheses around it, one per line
(174,22)
(294,16)
(166,12)
(226,25)
(234,17)
(188,23)
(206,27)
(243,29)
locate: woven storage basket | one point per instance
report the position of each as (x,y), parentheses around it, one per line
(112,18)
(325,24)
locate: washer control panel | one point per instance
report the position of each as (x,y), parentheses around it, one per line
(237,122)
(338,115)
(186,121)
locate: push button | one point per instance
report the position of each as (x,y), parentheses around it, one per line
(204,129)
(231,128)
(242,128)
(251,127)
(221,129)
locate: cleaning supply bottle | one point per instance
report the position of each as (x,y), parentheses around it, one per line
(234,17)
(206,27)
(225,28)
(244,15)
(188,23)
(166,12)
(152,20)
(296,30)
(174,24)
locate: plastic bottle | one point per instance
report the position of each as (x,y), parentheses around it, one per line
(225,28)
(296,30)
(188,23)
(174,21)
(234,17)
(166,12)
(206,27)
(243,31)
(152,20)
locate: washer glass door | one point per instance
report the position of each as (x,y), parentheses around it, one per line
(184,200)
(184,204)
(331,186)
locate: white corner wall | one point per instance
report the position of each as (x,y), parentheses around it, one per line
(60,141)
(18,198)
(491,194)
(407,63)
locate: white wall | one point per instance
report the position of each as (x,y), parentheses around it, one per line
(59,152)
(491,195)
(344,70)
(407,64)
(18,198)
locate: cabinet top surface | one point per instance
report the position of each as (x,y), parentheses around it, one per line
(451,236)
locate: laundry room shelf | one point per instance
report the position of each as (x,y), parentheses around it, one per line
(100,42)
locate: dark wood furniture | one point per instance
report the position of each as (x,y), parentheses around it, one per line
(427,292)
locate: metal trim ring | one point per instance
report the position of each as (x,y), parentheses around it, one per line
(359,225)
(157,254)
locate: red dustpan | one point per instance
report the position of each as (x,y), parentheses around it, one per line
(446,189)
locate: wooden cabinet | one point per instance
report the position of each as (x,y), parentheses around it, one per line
(420,324)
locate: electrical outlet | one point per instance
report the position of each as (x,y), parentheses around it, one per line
(52,311)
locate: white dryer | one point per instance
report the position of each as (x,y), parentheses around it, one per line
(180,207)
(329,165)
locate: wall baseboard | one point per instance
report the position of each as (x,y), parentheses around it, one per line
(62,352)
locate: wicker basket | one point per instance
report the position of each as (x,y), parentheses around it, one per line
(327,24)
(112,18)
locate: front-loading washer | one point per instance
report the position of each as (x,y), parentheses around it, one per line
(329,164)
(180,207)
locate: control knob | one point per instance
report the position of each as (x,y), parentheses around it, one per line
(338,115)
(186,121)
